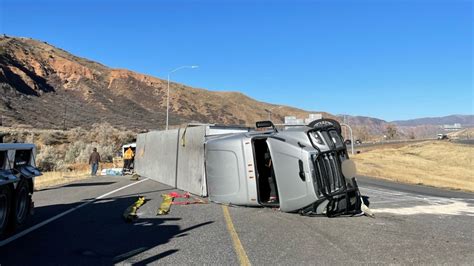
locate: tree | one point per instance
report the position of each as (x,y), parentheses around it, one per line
(362,133)
(391,131)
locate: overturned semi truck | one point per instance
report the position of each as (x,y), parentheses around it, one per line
(310,165)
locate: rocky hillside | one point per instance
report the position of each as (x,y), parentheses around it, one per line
(45,87)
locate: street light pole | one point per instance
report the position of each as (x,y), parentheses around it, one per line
(352,137)
(168,93)
(168,101)
(269,114)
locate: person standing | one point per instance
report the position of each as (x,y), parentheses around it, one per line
(127,159)
(94,160)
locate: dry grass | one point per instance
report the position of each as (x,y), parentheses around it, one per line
(49,179)
(467,133)
(433,163)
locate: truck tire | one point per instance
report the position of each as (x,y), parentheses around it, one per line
(5,209)
(21,204)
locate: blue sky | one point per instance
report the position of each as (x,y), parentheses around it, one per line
(387,59)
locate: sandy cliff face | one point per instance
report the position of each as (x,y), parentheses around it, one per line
(43,86)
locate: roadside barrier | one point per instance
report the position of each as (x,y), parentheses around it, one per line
(130,213)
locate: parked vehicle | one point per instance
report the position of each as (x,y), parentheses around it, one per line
(310,166)
(17,173)
(442,136)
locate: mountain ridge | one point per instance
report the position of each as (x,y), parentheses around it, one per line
(79,92)
(47,87)
(442,120)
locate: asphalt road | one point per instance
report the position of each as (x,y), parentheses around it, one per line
(465,141)
(386,143)
(413,224)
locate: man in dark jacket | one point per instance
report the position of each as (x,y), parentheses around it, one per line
(94,160)
(3,135)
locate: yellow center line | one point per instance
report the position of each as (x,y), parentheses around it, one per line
(239,249)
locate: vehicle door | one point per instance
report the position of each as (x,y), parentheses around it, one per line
(293,181)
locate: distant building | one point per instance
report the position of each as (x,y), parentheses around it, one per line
(454,127)
(292,120)
(312,117)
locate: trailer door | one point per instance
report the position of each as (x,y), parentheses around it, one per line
(292,179)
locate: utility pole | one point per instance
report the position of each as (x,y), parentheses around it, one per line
(168,93)
(64,119)
(269,114)
(345,129)
(352,137)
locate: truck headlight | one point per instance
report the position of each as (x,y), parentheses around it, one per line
(316,138)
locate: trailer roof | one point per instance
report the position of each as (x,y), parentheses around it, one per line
(16,146)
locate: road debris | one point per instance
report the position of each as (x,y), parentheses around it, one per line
(135,177)
(365,209)
(112,171)
(187,197)
(169,199)
(165,204)
(130,213)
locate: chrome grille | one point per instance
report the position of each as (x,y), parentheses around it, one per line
(328,174)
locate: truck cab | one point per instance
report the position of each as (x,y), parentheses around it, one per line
(17,173)
(310,167)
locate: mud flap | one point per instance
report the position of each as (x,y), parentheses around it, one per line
(347,202)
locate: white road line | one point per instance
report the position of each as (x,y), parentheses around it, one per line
(389,201)
(454,208)
(383,192)
(399,194)
(43,223)
(388,197)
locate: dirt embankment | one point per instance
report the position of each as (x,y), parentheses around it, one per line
(434,163)
(62,155)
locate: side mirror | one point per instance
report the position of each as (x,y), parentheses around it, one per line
(263,124)
(325,123)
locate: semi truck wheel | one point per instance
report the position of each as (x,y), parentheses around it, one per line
(21,204)
(5,208)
